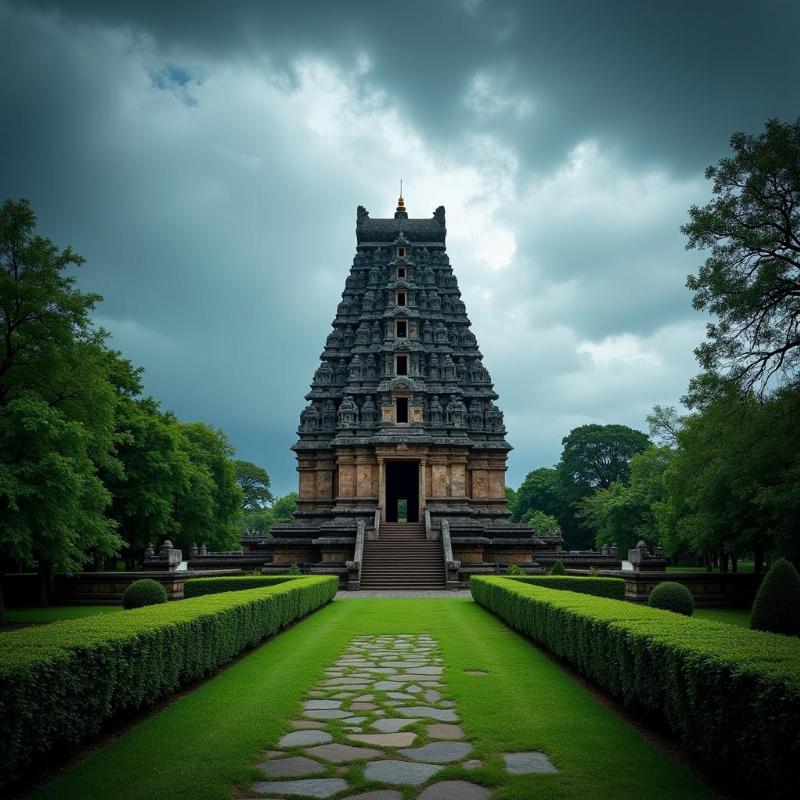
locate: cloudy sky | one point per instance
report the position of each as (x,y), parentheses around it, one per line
(208,163)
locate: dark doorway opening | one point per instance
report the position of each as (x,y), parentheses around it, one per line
(402,491)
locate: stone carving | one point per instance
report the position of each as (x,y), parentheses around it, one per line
(448,369)
(309,419)
(329,415)
(475,415)
(356,370)
(369,412)
(347,416)
(456,412)
(435,411)
(433,367)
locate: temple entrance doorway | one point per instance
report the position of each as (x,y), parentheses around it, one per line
(402,491)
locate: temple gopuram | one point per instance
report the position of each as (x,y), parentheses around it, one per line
(401,450)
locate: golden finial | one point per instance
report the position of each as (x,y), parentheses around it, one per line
(401,204)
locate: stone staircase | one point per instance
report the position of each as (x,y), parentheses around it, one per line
(402,559)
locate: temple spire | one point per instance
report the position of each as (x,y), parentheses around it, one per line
(400,212)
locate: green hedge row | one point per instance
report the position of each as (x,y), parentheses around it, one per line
(196,587)
(731,695)
(599,587)
(60,682)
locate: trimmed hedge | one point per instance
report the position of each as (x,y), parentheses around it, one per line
(776,607)
(197,587)
(144,592)
(558,568)
(60,682)
(599,587)
(732,696)
(672,596)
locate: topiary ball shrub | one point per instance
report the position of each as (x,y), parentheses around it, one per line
(777,605)
(672,596)
(558,568)
(145,592)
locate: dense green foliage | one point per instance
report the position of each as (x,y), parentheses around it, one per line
(144,592)
(541,523)
(89,469)
(196,587)
(731,695)
(261,520)
(672,596)
(732,486)
(776,607)
(593,458)
(558,568)
(596,586)
(254,483)
(624,513)
(749,281)
(58,384)
(60,682)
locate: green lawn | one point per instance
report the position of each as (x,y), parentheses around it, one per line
(39,615)
(732,616)
(209,740)
(742,566)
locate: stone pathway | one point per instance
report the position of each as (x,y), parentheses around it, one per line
(365,594)
(381,713)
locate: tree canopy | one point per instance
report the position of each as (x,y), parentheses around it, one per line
(750,280)
(254,483)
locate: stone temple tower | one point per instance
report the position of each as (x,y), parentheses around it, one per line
(401,423)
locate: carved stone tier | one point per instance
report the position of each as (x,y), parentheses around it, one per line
(401,421)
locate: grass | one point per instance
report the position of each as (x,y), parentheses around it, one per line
(731,616)
(742,566)
(209,740)
(43,614)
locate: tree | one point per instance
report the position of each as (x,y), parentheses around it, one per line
(51,500)
(150,471)
(541,523)
(262,520)
(209,501)
(623,514)
(57,402)
(751,279)
(511,500)
(595,456)
(731,487)
(254,483)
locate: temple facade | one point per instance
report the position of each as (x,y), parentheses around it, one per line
(401,424)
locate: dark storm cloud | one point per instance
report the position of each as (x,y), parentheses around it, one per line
(208,161)
(664,82)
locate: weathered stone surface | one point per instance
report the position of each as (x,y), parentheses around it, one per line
(392,725)
(472,763)
(305,724)
(343,753)
(441,714)
(305,738)
(318,704)
(444,730)
(438,752)
(404,773)
(432,696)
(426,670)
(388,686)
(403,739)
(327,713)
(528,763)
(362,706)
(292,767)
(311,787)
(455,790)
(354,720)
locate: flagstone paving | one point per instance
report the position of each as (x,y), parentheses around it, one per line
(366,721)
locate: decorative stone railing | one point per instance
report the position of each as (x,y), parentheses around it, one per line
(430,531)
(376,526)
(451,566)
(354,566)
